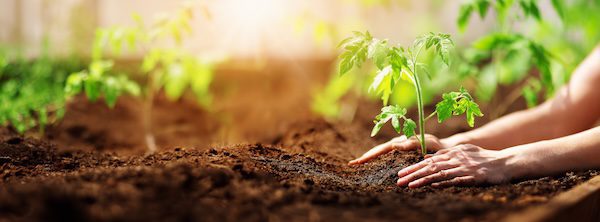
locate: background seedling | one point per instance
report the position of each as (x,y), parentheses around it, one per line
(31,91)
(395,63)
(506,57)
(166,65)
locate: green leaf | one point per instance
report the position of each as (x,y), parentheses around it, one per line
(378,51)
(176,82)
(472,110)
(445,46)
(74,83)
(396,124)
(445,107)
(559,7)
(111,90)
(345,66)
(376,85)
(463,16)
(409,128)
(441,42)
(482,7)
(92,89)
(457,103)
(378,125)
(356,51)
(388,113)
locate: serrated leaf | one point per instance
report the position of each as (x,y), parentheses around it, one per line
(409,128)
(396,124)
(445,108)
(388,113)
(444,50)
(378,125)
(472,110)
(356,50)
(377,86)
(457,103)
(378,51)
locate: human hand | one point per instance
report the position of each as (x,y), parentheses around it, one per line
(403,144)
(463,165)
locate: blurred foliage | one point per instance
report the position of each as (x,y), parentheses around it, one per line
(535,61)
(573,38)
(506,57)
(167,64)
(31,91)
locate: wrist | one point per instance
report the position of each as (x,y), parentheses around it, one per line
(518,163)
(455,140)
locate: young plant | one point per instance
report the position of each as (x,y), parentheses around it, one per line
(31,91)
(167,68)
(505,57)
(394,64)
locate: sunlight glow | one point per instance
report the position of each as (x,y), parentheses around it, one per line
(250,24)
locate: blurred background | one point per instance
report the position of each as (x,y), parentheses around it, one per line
(237,28)
(227,71)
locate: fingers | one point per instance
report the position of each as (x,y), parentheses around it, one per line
(430,169)
(373,153)
(457,181)
(399,143)
(422,164)
(442,175)
(406,144)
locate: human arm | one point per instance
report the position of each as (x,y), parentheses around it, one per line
(575,107)
(471,165)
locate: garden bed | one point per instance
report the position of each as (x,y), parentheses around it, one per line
(258,155)
(303,176)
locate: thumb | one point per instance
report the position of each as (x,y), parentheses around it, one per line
(373,153)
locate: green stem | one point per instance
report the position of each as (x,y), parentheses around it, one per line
(420,104)
(430,116)
(421,115)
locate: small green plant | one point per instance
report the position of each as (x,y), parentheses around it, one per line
(31,91)
(506,57)
(395,63)
(165,64)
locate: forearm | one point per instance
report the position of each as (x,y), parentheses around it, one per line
(576,152)
(574,108)
(514,129)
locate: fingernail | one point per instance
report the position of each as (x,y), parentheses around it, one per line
(400,182)
(412,185)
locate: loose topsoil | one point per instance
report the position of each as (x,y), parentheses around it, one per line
(92,167)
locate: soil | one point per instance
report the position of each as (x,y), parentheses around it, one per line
(267,159)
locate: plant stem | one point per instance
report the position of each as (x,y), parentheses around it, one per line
(420,103)
(421,115)
(147,114)
(430,116)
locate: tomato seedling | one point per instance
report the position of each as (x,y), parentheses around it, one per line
(31,91)
(505,57)
(395,63)
(171,69)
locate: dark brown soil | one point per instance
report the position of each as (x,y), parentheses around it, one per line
(250,182)
(286,166)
